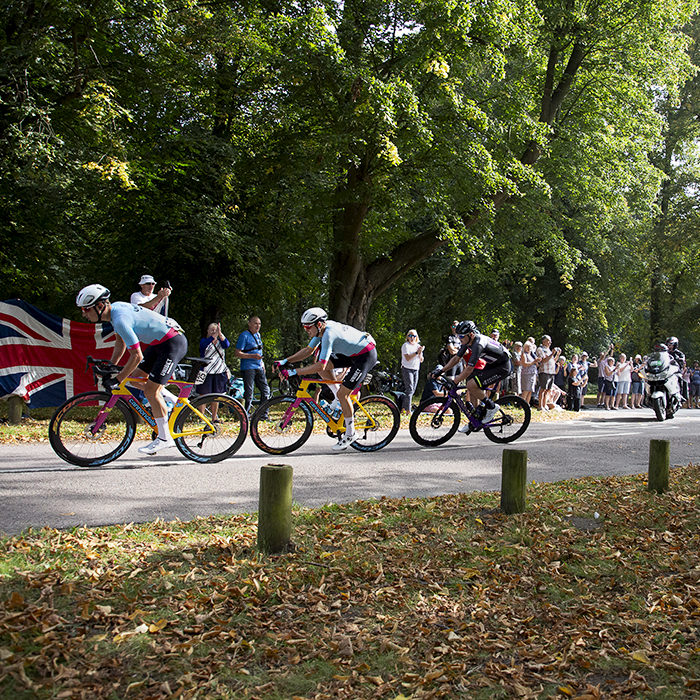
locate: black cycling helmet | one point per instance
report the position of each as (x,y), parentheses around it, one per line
(672,342)
(466,327)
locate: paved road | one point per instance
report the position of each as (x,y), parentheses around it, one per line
(38,489)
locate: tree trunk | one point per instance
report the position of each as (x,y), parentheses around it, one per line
(356,284)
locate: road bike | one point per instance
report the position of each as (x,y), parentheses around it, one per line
(437,419)
(284,423)
(279,386)
(97,427)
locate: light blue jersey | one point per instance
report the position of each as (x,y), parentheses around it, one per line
(339,339)
(135,324)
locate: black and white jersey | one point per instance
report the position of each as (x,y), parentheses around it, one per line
(487,349)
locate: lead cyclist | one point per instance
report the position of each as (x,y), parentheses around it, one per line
(136,326)
(340,346)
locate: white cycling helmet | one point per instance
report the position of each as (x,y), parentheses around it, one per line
(91,295)
(313,315)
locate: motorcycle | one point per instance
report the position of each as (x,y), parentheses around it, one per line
(380,381)
(662,383)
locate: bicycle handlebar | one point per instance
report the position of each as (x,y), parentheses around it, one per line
(101,368)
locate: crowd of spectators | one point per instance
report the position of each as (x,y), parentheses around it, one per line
(549,381)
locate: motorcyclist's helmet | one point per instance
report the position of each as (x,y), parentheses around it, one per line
(660,347)
(312,316)
(672,342)
(466,327)
(91,295)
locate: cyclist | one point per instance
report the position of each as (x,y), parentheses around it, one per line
(135,326)
(496,366)
(339,346)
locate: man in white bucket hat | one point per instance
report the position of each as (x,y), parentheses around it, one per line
(148,298)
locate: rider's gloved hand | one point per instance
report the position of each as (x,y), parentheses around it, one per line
(110,383)
(436,373)
(287,373)
(277,364)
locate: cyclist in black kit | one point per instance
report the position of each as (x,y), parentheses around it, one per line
(497,366)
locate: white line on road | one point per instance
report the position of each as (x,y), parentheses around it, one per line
(578,435)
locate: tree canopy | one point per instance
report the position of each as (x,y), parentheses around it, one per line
(528,163)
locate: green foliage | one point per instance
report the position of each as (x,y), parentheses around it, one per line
(401,164)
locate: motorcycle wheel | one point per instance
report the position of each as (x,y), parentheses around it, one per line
(659,406)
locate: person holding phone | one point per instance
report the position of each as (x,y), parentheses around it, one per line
(213,347)
(148,299)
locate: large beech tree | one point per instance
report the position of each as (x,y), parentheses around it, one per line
(422,119)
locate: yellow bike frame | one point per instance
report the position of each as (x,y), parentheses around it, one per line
(183,400)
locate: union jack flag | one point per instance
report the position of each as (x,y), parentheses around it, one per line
(42,356)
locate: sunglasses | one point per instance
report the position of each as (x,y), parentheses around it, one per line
(411,335)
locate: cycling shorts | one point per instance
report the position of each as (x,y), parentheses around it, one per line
(159,361)
(491,374)
(360,366)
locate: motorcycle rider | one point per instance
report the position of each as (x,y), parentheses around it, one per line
(676,353)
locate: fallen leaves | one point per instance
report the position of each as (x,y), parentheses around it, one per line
(384,599)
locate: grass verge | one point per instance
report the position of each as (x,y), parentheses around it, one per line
(412,598)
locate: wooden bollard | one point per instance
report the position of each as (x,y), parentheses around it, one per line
(659,459)
(275,508)
(14,409)
(513,481)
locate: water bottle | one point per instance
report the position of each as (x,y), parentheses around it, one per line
(336,410)
(325,405)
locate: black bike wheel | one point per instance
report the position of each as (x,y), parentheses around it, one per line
(271,435)
(433,424)
(379,428)
(510,422)
(279,387)
(659,406)
(204,443)
(71,430)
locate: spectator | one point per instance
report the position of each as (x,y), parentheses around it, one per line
(577,373)
(561,381)
(452,336)
(495,334)
(528,364)
(585,365)
(610,382)
(432,388)
(637,383)
(694,401)
(213,347)
(624,380)
(148,298)
(601,364)
(411,358)
(249,350)
(517,356)
(547,369)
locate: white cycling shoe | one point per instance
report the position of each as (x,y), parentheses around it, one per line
(345,441)
(156,446)
(490,414)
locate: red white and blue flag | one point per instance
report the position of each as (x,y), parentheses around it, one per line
(42,356)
